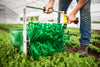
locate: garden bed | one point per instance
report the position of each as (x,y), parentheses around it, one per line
(70,58)
(73,32)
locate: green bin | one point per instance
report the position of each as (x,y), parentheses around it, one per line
(16,36)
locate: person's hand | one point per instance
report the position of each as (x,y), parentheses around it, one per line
(71,18)
(48,8)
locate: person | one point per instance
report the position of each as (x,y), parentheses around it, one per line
(85,19)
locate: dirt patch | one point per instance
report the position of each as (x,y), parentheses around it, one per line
(4,29)
(97,45)
(98,38)
(95,54)
(90,53)
(71,49)
(98,31)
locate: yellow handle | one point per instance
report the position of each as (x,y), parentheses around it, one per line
(65,19)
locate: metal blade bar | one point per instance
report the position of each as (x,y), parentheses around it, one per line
(42,9)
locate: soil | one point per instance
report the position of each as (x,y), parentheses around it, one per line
(90,53)
(4,29)
(95,54)
(74,50)
(71,49)
(98,31)
(97,45)
(98,38)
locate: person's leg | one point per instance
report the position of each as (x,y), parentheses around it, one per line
(85,26)
(63,6)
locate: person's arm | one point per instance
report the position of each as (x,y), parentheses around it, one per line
(49,5)
(51,2)
(79,5)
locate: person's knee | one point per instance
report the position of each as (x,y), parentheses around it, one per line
(85,14)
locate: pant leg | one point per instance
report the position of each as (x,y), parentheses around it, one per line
(63,6)
(85,24)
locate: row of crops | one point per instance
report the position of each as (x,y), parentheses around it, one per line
(10,57)
(74,40)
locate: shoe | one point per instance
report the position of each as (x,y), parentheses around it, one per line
(83,50)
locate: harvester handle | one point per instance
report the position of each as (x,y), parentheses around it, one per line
(76,21)
(43,9)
